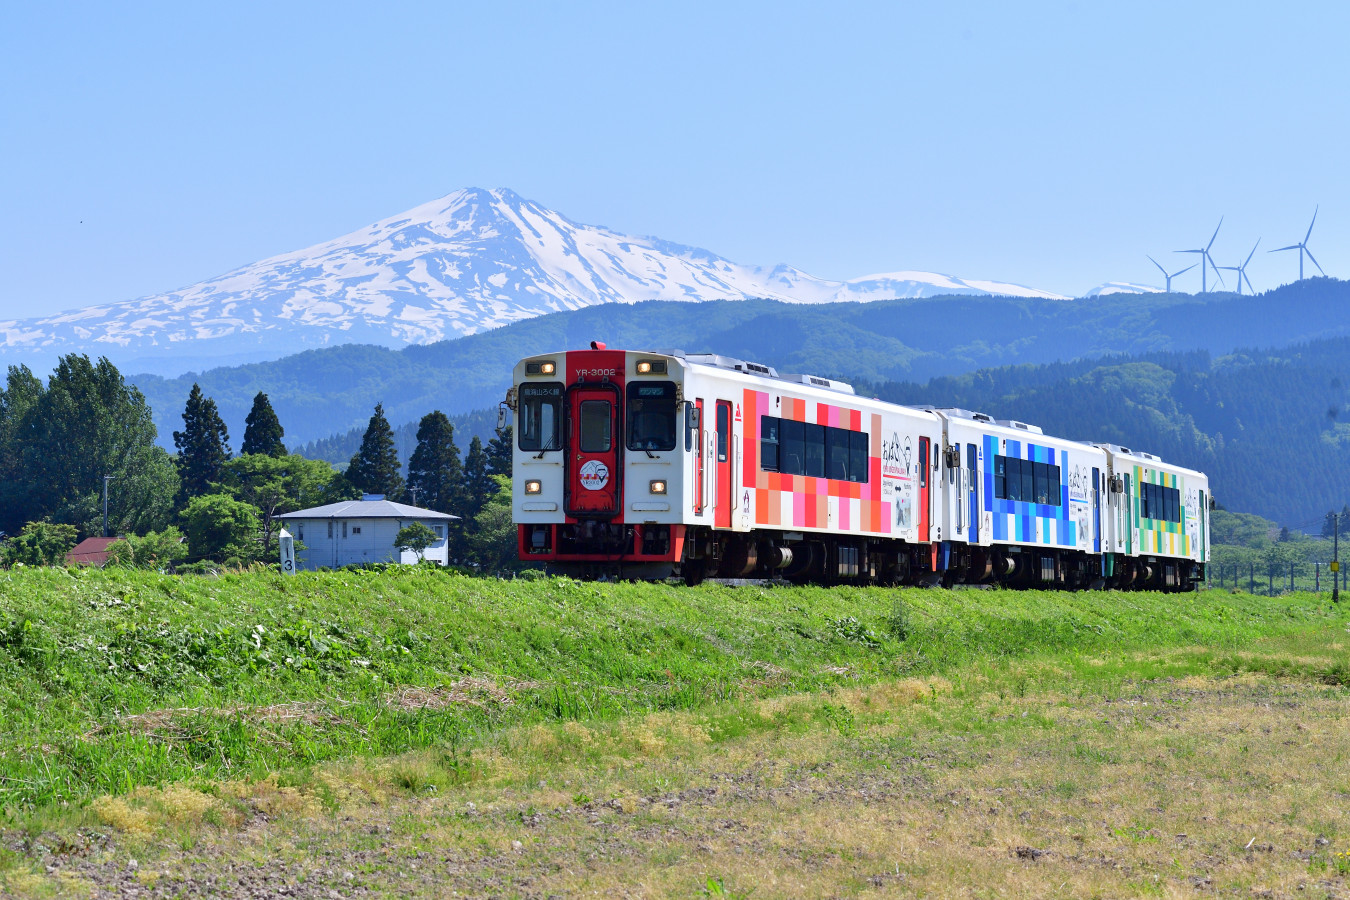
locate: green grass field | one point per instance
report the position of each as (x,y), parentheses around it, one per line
(414,732)
(111,680)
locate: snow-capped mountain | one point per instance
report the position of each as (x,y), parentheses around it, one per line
(472,260)
(1122,287)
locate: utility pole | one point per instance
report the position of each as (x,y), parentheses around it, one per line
(1335,566)
(106,479)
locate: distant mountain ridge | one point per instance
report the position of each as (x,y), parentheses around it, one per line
(470,261)
(325,392)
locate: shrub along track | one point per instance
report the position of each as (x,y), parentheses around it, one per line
(416,717)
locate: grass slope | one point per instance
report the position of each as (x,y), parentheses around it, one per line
(111,680)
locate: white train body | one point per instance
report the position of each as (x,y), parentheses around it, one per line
(654,464)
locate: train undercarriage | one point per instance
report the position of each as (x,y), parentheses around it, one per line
(694,553)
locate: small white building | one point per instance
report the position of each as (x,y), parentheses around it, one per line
(352,532)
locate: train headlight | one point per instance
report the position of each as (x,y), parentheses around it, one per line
(540,368)
(651,367)
(533,487)
(658,486)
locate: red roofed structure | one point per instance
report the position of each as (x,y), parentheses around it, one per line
(90,552)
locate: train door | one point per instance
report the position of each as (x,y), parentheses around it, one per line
(1096,510)
(1203,537)
(725,500)
(1131,532)
(973,475)
(922,474)
(699,468)
(594,474)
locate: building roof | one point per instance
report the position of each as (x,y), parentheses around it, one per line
(90,552)
(367,509)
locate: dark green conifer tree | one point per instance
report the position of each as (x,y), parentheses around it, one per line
(262,429)
(478,484)
(374,468)
(203,447)
(435,476)
(499,452)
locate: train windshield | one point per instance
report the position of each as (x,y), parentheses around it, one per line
(541,416)
(651,415)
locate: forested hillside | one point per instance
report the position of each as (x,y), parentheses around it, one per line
(325,392)
(1271,428)
(338,449)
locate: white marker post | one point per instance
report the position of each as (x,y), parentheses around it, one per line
(287,546)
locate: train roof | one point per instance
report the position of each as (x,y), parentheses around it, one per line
(752,368)
(1142,457)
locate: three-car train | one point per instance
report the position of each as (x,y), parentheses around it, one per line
(658,464)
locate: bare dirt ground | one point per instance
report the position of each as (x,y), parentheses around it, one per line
(1031,785)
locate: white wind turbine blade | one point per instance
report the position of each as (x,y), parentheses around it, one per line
(1314,259)
(1216,233)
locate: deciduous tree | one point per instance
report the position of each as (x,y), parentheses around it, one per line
(492,545)
(279,484)
(155,550)
(62,439)
(415,538)
(219,527)
(40,544)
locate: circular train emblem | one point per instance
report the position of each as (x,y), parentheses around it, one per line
(594,475)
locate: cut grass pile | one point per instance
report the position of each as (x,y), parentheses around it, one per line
(112,680)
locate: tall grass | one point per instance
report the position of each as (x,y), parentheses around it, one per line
(114,679)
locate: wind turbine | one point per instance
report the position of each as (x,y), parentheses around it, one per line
(1302,248)
(1206,258)
(1242,269)
(1173,275)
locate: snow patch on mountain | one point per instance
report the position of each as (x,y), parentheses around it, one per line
(472,260)
(1122,287)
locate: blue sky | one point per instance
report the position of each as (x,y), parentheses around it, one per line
(147,147)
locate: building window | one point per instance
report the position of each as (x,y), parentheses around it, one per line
(344,530)
(330,529)
(300,531)
(356,529)
(438,530)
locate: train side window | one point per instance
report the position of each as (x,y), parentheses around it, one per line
(814,442)
(723,430)
(792,459)
(837,454)
(1041,477)
(540,416)
(1001,477)
(768,443)
(1052,477)
(858,460)
(1028,481)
